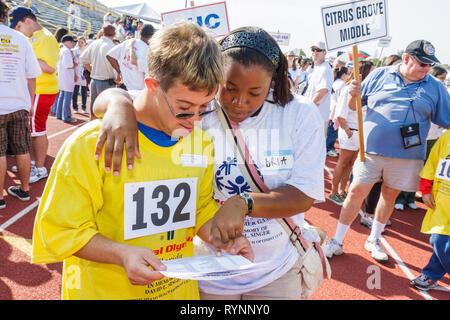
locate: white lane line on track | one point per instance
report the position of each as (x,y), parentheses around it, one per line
(19,215)
(28,209)
(392,252)
(402,265)
(66,130)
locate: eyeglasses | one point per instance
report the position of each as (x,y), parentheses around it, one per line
(423,65)
(317,50)
(185,115)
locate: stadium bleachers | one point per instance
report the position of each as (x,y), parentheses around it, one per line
(60,19)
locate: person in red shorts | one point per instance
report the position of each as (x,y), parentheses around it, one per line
(46,48)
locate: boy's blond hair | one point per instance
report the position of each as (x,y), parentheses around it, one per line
(184,52)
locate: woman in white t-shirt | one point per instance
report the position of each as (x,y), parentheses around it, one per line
(340,77)
(302,85)
(285,139)
(293,69)
(348,139)
(80,76)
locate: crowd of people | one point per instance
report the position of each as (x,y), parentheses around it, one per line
(66,63)
(126,26)
(160,96)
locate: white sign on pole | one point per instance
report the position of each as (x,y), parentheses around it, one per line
(212,17)
(384,42)
(354,22)
(281,38)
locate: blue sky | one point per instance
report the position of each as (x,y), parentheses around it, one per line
(409,20)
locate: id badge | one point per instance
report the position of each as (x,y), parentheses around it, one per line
(410,135)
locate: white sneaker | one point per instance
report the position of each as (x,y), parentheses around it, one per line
(367,221)
(38,174)
(413,206)
(377,251)
(333,248)
(332,154)
(15,170)
(399,206)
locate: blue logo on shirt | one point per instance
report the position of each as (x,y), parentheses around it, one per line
(226,183)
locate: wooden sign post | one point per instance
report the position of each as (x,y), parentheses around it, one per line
(348,24)
(358,105)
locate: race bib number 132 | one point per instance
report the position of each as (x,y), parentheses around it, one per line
(158,206)
(443,169)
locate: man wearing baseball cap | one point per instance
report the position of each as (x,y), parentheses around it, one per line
(401,100)
(46,48)
(320,82)
(66,79)
(422,50)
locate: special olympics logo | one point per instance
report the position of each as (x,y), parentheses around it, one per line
(228,183)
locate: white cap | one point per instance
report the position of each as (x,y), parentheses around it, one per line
(319,44)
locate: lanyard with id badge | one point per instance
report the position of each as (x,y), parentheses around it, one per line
(410,133)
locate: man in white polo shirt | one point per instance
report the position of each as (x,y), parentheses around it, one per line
(320,82)
(129,59)
(94,60)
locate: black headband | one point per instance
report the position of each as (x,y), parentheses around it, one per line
(254,38)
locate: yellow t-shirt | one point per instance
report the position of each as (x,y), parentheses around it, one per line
(437,169)
(80,200)
(46,49)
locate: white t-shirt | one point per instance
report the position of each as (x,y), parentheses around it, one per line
(132,76)
(66,72)
(343,111)
(79,70)
(435,132)
(120,31)
(338,84)
(108,19)
(288,147)
(17,64)
(321,78)
(294,73)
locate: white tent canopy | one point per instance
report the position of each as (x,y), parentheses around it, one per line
(139,11)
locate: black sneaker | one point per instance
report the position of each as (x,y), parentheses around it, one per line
(15,191)
(2,204)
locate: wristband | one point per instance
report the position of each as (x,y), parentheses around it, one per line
(248,200)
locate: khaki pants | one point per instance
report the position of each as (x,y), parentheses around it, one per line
(287,287)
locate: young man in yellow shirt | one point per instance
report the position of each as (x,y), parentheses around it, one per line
(46,48)
(435,188)
(113,231)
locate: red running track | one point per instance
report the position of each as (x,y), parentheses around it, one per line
(355,275)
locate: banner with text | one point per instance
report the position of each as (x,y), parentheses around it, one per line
(281,38)
(212,17)
(354,22)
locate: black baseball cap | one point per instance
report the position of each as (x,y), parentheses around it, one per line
(17,14)
(422,50)
(67,38)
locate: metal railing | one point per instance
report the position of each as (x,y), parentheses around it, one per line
(69,17)
(93,5)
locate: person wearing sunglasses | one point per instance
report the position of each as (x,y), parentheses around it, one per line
(401,100)
(285,140)
(320,82)
(114,232)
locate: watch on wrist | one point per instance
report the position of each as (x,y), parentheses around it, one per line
(248,200)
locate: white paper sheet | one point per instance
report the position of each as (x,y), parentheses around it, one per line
(209,267)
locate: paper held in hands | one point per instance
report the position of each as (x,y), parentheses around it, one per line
(209,267)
